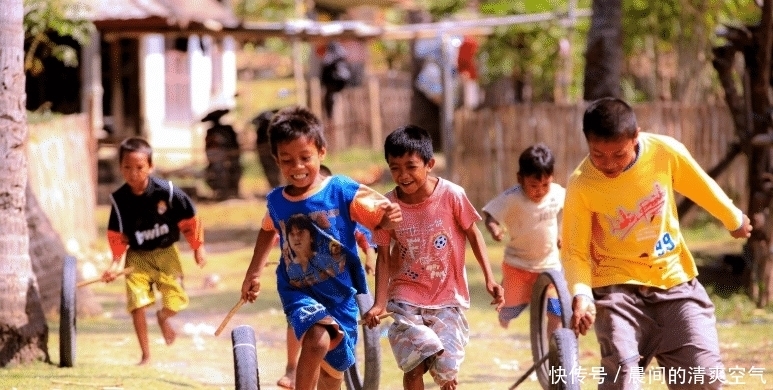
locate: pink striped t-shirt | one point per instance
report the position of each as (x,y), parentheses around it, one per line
(429,249)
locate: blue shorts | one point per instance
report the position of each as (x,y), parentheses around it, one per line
(341,322)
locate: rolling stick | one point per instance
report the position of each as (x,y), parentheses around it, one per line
(229,315)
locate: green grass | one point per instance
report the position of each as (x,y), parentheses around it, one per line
(107,349)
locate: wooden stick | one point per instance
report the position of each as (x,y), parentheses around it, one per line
(124,271)
(380,317)
(229,315)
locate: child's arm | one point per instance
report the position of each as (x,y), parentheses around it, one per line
(492,225)
(373,210)
(382,287)
(693,182)
(251,283)
(119,243)
(370,260)
(479,249)
(194,233)
(364,242)
(575,257)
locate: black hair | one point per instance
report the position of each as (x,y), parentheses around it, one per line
(323,169)
(409,139)
(135,144)
(291,123)
(301,222)
(537,161)
(609,119)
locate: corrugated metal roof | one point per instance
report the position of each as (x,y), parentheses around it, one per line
(174,12)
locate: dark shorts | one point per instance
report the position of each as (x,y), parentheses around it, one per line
(677,327)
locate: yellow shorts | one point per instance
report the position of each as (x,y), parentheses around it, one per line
(159,267)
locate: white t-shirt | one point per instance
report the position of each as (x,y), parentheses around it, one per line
(532,227)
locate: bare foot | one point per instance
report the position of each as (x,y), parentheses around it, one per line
(450,385)
(504,323)
(144,361)
(166,329)
(286,382)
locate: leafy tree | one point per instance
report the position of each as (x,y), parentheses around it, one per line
(667,47)
(529,53)
(49,25)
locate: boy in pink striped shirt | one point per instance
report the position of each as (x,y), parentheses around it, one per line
(423,282)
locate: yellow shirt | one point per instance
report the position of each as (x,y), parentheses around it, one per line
(625,230)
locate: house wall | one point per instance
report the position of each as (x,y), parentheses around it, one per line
(180,87)
(58,151)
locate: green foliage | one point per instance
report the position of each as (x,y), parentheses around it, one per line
(680,29)
(46,23)
(440,9)
(265,10)
(531,50)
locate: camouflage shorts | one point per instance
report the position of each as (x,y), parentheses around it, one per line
(438,334)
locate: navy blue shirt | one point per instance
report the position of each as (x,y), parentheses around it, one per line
(150,220)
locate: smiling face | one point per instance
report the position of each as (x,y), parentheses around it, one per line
(411,175)
(136,169)
(612,157)
(299,161)
(535,188)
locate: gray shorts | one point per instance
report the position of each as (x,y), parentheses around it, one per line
(677,327)
(438,334)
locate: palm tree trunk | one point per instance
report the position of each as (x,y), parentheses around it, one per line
(23,329)
(604,54)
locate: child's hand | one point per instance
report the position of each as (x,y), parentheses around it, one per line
(583,314)
(111,273)
(370,269)
(198,255)
(496,232)
(251,288)
(498,292)
(745,231)
(371,317)
(392,215)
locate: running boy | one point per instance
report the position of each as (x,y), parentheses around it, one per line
(625,258)
(364,241)
(146,219)
(423,282)
(530,213)
(318,295)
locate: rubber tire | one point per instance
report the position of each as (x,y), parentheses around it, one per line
(67,310)
(245,353)
(565,359)
(540,340)
(370,340)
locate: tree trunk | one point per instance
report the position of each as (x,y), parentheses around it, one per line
(47,253)
(23,329)
(604,54)
(760,184)
(751,111)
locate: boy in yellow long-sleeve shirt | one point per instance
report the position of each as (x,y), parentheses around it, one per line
(626,261)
